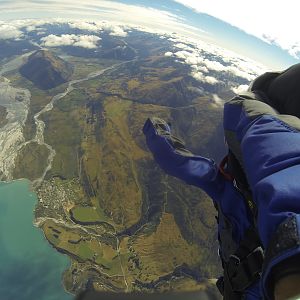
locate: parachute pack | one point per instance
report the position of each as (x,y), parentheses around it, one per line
(262,131)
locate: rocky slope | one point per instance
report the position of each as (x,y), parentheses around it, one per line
(46,70)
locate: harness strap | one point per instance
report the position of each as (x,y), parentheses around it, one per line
(222,170)
(250,242)
(245,265)
(231,170)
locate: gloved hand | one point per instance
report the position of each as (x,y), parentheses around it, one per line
(161,126)
(173,157)
(157,128)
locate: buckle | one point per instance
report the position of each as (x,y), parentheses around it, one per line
(235,184)
(255,261)
(243,273)
(236,259)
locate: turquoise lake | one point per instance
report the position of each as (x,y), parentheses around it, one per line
(29,267)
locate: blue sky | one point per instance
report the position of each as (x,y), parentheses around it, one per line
(251,35)
(227,35)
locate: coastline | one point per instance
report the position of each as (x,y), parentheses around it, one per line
(27,246)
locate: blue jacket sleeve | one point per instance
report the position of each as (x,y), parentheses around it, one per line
(171,155)
(269,148)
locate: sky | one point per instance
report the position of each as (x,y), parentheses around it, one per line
(271,21)
(265,31)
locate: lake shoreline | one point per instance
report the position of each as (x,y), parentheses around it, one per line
(26,252)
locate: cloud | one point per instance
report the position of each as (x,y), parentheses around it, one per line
(207,61)
(183,46)
(84,41)
(213,64)
(217,100)
(271,21)
(196,67)
(113,29)
(182,54)
(118,31)
(83,25)
(276,28)
(82,12)
(9,32)
(169,54)
(29,25)
(96,27)
(240,89)
(208,79)
(237,71)
(30,28)
(206,58)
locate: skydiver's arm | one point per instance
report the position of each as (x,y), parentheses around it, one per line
(172,156)
(268,145)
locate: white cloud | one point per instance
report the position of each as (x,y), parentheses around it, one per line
(184,47)
(208,79)
(240,89)
(276,27)
(87,41)
(169,54)
(217,100)
(83,25)
(31,24)
(9,32)
(84,41)
(196,67)
(147,18)
(182,54)
(113,29)
(211,80)
(244,73)
(30,28)
(41,32)
(201,56)
(195,60)
(116,30)
(271,21)
(204,58)
(214,65)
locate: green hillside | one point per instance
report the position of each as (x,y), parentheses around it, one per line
(105,203)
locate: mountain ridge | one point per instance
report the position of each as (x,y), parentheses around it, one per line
(46,70)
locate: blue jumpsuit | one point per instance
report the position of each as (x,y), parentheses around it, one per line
(262,128)
(205,174)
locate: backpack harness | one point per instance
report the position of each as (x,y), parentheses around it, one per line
(242,264)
